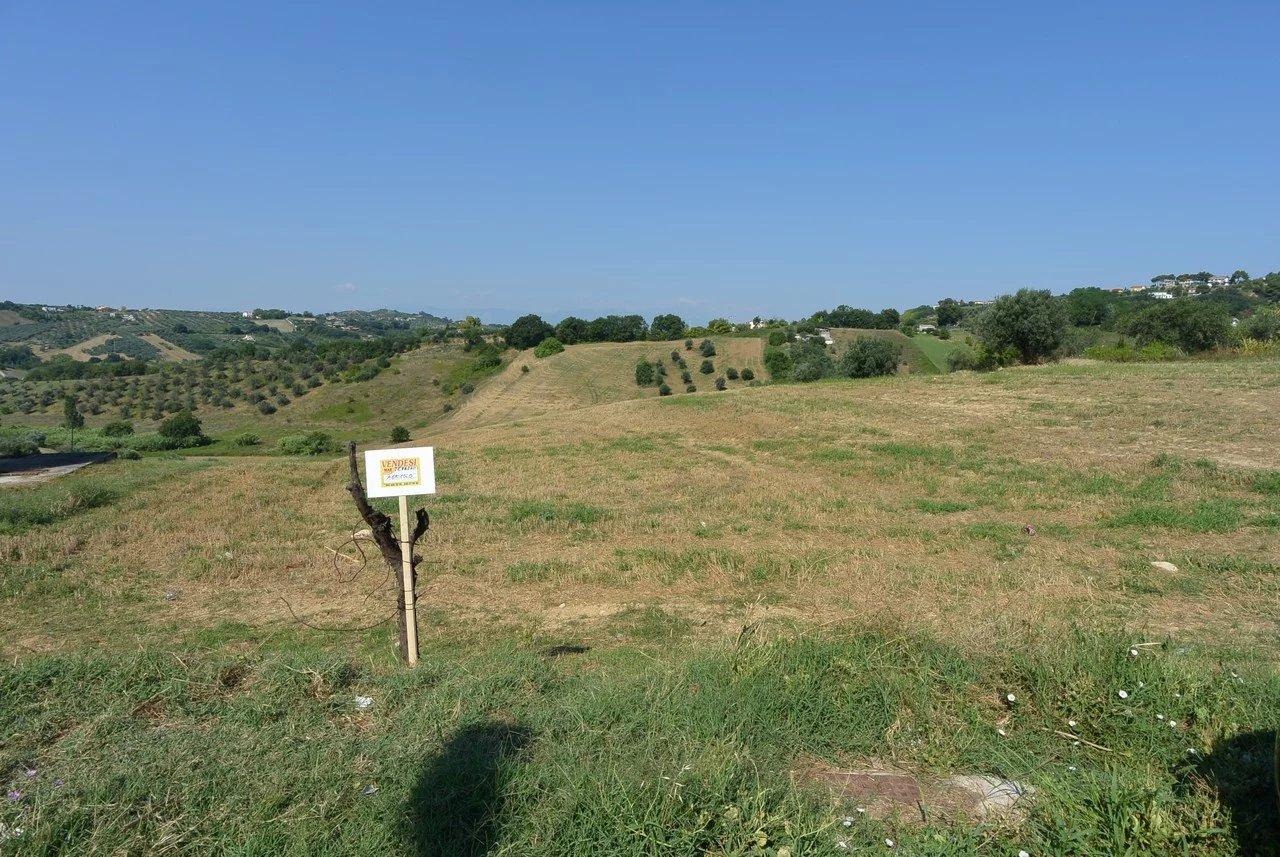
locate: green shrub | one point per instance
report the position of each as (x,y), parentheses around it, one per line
(246,438)
(720,384)
(707,367)
(183,429)
(129,454)
(644,374)
(1152,352)
(731,374)
(265,408)
(468,388)
(707,348)
(664,390)
(779,338)
(869,358)
(691,388)
(686,377)
(748,374)
(688,345)
(399,434)
(1263,325)
(779,363)
(448,406)
(524,369)
(119,428)
(310,443)
(1192,325)
(15,446)
(1031,322)
(548,346)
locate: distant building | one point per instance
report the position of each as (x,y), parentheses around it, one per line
(1220,281)
(925,328)
(1163,296)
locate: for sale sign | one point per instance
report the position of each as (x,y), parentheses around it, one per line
(394,472)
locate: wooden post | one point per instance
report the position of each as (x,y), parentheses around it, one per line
(406,575)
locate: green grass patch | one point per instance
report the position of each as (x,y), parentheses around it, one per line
(941,507)
(1209,516)
(915,452)
(24,507)
(556,511)
(523,750)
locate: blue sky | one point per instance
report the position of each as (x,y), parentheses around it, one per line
(709,159)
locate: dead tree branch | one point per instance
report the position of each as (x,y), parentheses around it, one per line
(382,529)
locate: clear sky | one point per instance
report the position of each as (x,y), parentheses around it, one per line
(733,158)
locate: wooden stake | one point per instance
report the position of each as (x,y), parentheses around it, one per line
(406,574)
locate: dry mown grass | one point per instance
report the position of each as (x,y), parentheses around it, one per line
(879,502)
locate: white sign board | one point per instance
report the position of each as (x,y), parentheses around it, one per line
(397,472)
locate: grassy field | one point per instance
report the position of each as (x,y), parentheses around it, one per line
(939,350)
(915,358)
(643,618)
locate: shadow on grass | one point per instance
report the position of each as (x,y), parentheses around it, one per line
(1243,771)
(456,806)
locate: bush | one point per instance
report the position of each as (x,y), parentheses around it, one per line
(779,363)
(688,345)
(675,356)
(664,390)
(808,370)
(265,408)
(181,426)
(1192,325)
(707,367)
(448,406)
(686,377)
(779,337)
(869,358)
(468,388)
(399,434)
(644,374)
(310,443)
(707,348)
(1152,352)
(1263,325)
(690,388)
(246,438)
(547,347)
(731,374)
(15,446)
(129,454)
(720,384)
(119,428)
(524,369)
(1033,323)
(748,374)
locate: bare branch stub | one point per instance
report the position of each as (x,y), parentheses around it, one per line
(383,530)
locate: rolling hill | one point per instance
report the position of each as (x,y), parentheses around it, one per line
(594,374)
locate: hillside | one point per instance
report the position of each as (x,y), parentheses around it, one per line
(712,593)
(592,374)
(82,332)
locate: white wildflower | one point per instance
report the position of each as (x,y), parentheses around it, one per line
(363,702)
(1123,694)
